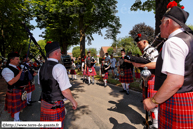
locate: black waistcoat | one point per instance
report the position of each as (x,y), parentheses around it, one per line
(188,75)
(50,87)
(103,66)
(88,61)
(18,83)
(125,65)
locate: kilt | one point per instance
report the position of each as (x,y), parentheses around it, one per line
(48,114)
(106,76)
(176,112)
(72,72)
(30,87)
(128,78)
(93,73)
(150,91)
(84,72)
(13,102)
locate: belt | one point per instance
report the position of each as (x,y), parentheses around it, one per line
(53,102)
(55,107)
(11,90)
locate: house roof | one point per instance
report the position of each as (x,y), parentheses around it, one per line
(105,48)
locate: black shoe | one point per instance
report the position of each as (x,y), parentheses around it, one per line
(83,80)
(92,83)
(29,104)
(88,83)
(122,91)
(127,92)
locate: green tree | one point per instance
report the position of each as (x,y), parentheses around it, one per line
(128,44)
(110,51)
(143,29)
(76,51)
(158,6)
(13,12)
(93,51)
(191,27)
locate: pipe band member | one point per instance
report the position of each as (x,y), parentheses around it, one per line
(125,73)
(174,73)
(104,71)
(55,86)
(11,74)
(151,54)
(72,71)
(89,65)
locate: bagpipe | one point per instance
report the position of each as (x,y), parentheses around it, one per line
(145,58)
(105,68)
(27,73)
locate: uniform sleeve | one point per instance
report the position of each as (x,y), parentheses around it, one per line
(7,74)
(60,74)
(174,53)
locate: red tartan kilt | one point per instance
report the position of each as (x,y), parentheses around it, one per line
(106,76)
(72,72)
(176,112)
(128,78)
(137,75)
(30,88)
(93,73)
(48,114)
(151,92)
(13,102)
(84,72)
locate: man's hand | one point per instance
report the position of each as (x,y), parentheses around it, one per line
(148,104)
(137,65)
(74,105)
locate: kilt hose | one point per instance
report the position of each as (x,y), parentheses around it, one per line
(176,112)
(72,72)
(30,87)
(150,91)
(13,102)
(93,73)
(48,114)
(106,76)
(127,78)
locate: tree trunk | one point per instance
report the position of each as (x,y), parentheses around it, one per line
(64,47)
(161,7)
(82,37)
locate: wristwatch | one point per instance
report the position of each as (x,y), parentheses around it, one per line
(154,101)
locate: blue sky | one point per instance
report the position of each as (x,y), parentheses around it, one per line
(128,19)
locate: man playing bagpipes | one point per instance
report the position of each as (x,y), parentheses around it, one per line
(104,71)
(149,54)
(31,86)
(90,70)
(14,102)
(125,72)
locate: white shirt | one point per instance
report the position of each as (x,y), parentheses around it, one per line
(153,54)
(113,61)
(174,53)
(60,75)
(8,74)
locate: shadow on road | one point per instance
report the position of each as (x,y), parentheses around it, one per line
(116,125)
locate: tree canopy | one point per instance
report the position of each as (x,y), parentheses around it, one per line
(143,29)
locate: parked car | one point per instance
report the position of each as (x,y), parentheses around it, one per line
(66,61)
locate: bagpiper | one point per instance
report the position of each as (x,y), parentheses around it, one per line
(14,101)
(125,72)
(89,65)
(104,71)
(55,86)
(72,71)
(174,72)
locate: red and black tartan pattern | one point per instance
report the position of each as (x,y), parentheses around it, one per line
(128,78)
(106,76)
(150,92)
(84,72)
(48,114)
(72,72)
(30,87)
(176,112)
(13,102)
(137,75)
(93,73)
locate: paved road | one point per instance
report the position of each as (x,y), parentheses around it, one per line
(98,108)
